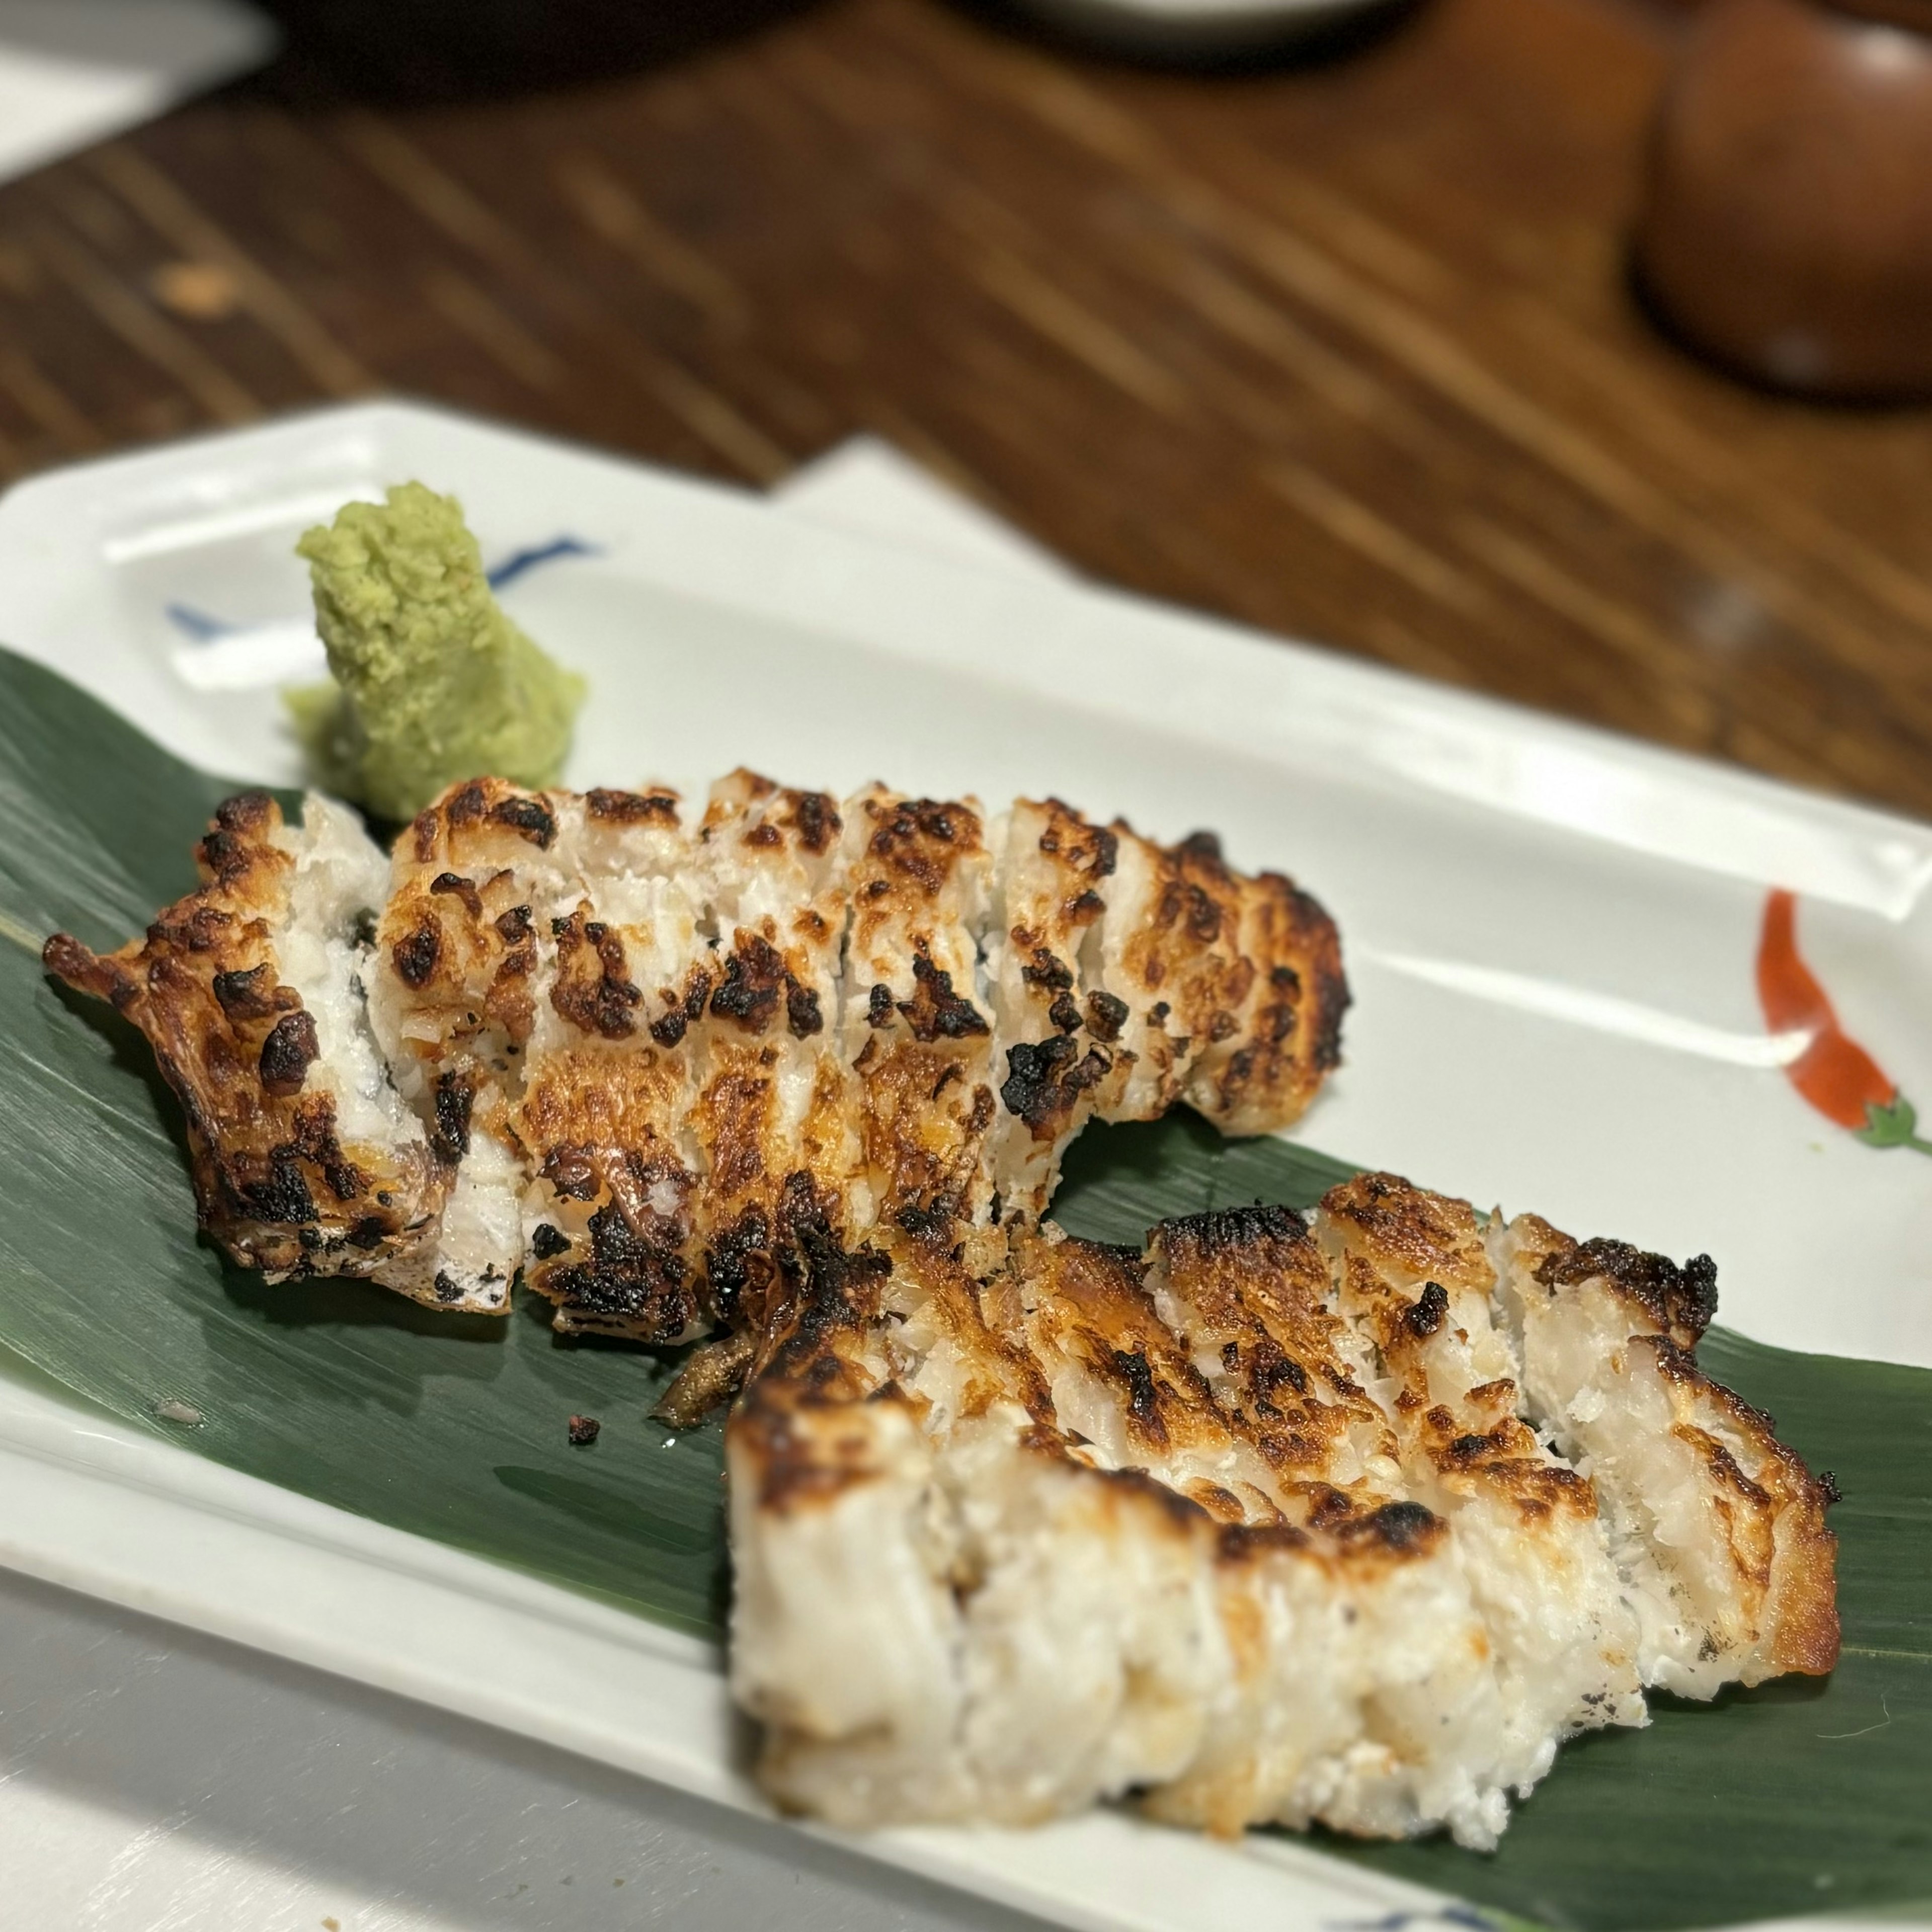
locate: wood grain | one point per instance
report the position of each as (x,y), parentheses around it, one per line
(1346,351)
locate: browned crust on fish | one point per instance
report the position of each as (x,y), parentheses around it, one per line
(1406,1229)
(274,1184)
(1678,1302)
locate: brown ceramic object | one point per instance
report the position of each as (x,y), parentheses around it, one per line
(1787,224)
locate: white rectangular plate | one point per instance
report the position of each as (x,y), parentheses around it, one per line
(1550,933)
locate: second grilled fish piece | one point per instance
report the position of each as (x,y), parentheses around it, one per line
(1260,1526)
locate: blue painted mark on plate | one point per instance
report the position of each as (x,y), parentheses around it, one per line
(1465,1915)
(200,627)
(519,561)
(197,625)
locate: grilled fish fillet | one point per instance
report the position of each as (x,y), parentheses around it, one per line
(624,1046)
(1349,1520)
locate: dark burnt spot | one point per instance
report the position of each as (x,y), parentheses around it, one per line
(1682,1300)
(250,995)
(802,1012)
(530,818)
(1045,969)
(583,1430)
(572,1171)
(1270,1369)
(607,1005)
(815,819)
(315,1140)
(764,835)
(1131,1367)
(547,1241)
(448,1288)
(935,1011)
(1828,1488)
(1284,979)
(248,813)
(1201,845)
(468,805)
(932,1225)
(281,1194)
(370,1232)
(911,837)
(734,1262)
(455,1095)
(635,1280)
(1223,1231)
(1158,1011)
(1086,909)
(224,855)
(1403,1526)
(514,927)
(1031,1092)
(1428,1313)
(837,1290)
(416,954)
(1063,1013)
(465,889)
(754,979)
(1222,1026)
(1106,1014)
(879,1006)
(285,1054)
(1466,1450)
(1203,916)
(682,1014)
(631,808)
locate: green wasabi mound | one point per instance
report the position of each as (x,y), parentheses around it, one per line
(432,683)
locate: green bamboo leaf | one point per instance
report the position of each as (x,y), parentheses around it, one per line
(1799,1796)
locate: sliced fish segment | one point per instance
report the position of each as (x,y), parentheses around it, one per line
(250,990)
(1717,1529)
(916,1028)
(603,1116)
(1414,1278)
(464,957)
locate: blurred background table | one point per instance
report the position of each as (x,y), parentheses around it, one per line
(1345,350)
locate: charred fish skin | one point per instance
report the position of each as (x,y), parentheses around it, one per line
(250,991)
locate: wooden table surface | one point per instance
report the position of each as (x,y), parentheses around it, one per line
(1345,351)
